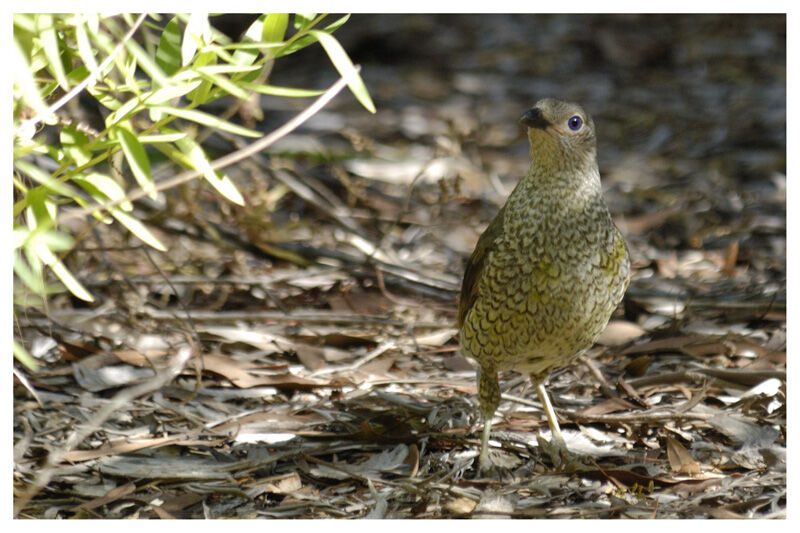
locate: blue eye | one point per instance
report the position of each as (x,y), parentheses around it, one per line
(575,123)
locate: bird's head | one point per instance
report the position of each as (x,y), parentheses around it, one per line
(561,135)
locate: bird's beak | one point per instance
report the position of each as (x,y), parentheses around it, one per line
(533,118)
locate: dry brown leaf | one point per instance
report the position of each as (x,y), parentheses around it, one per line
(731,256)
(378,367)
(413,459)
(181,502)
(133,357)
(638,367)
(360,302)
(312,357)
(120,446)
(237,373)
(670,344)
(722,513)
(457,363)
(680,460)
(611,405)
(162,513)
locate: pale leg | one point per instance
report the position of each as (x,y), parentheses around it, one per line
(551,414)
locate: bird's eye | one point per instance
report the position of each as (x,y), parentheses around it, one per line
(575,123)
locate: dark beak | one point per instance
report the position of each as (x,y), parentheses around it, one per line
(533,118)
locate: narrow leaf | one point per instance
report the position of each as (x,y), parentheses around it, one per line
(275,90)
(161,138)
(274,27)
(168,52)
(45,179)
(137,228)
(224,83)
(49,40)
(303,20)
(208,120)
(104,186)
(170,92)
(74,144)
(84,48)
(342,62)
(22,355)
(136,156)
(146,62)
(221,182)
(62,272)
(26,85)
(198,33)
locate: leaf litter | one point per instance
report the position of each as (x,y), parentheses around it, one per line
(319,374)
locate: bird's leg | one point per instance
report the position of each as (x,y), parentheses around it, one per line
(556,449)
(489,398)
(552,421)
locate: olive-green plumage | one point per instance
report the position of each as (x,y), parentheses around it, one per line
(550,269)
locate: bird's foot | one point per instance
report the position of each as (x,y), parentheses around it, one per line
(562,459)
(489,470)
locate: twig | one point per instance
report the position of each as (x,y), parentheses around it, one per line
(645,417)
(607,389)
(383,347)
(743,377)
(176,293)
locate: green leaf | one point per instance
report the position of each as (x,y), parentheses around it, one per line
(146,62)
(306,40)
(227,69)
(170,92)
(27,88)
(40,212)
(22,355)
(221,182)
(201,94)
(224,83)
(303,20)
(333,26)
(136,227)
(130,107)
(243,54)
(208,120)
(168,52)
(161,138)
(136,156)
(84,48)
(49,39)
(342,62)
(275,90)
(47,257)
(197,34)
(78,74)
(103,187)
(45,179)
(274,27)
(106,99)
(74,144)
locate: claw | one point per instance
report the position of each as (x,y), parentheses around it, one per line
(562,459)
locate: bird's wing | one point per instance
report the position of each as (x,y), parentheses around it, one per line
(475,265)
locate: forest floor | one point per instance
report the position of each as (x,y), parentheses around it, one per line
(298,357)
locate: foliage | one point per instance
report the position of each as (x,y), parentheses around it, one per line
(149,76)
